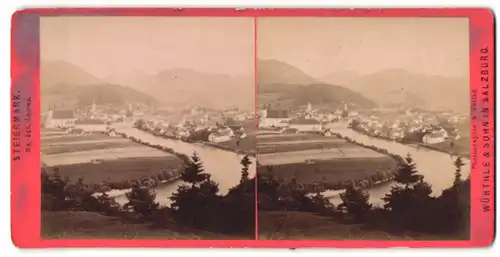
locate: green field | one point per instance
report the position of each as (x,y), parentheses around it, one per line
(332,171)
(119,159)
(311,158)
(291,146)
(119,170)
(68,148)
(90,225)
(48,139)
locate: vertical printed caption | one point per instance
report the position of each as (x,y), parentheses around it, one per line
(25,118)
(482,133)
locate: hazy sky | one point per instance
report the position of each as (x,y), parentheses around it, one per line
(107,45)
(318,46)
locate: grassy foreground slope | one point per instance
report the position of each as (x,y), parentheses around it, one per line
(91,225)
(280,225)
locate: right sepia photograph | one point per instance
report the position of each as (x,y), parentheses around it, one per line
(364,128)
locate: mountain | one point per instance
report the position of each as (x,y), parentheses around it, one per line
(340,77)
(67,96)
(186,87)
(324,95)
(66,85)
(274,71)
(398,87)
(60,72)
(283,84)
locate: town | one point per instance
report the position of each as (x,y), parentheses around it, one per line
(186,124)
(412,125)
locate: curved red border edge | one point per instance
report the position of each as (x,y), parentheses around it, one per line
(25,184)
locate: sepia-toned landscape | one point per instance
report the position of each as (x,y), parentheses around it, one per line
(155,128)
(139,137)
(363,128)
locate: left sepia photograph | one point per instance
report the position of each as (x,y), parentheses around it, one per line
(148,128)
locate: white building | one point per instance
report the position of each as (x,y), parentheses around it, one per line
(435,137)
(219,136)
(59,119)
(274,119)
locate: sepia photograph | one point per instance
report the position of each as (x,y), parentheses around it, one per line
(363,128)
(148,127)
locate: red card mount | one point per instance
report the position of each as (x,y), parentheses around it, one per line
(315,161)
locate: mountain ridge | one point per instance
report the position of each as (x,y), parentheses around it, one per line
(282,83)
(403,88)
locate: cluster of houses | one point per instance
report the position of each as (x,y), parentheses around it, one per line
(303,120)
(219,126)
(90,120)
(430,127)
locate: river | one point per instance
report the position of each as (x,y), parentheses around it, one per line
(224,166)
(437,167)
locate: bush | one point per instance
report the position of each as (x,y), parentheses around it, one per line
(141,201)
(238,208)
(60,195)
(355,202)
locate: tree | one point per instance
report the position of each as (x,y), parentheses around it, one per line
(142,201)
(355,202)
(139,124)
(409,202)
(245,162)
(409,184)
(238,208)
(54,190)
(407,173)
(458,171)
(194,172)
(268,196)
(196,203)
(320,204)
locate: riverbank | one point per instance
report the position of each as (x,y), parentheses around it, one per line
(439,148)
(380,178)
(219,146)
(463,150)
(332,162)
(229,149)
(437,167)
(105,162)
(223,166)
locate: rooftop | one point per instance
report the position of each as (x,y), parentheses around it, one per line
(277,114)
(63,114)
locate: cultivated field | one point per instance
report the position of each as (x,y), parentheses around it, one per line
(119,159)
(315,158)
